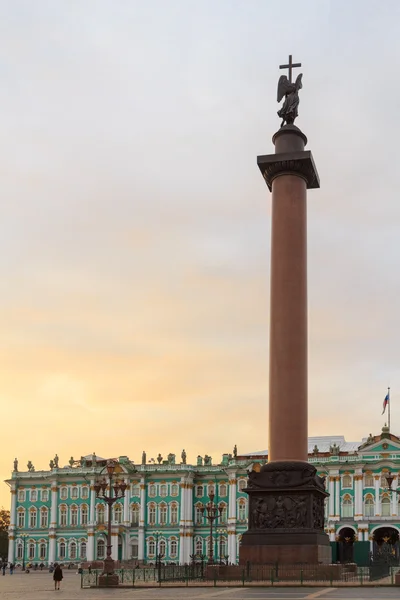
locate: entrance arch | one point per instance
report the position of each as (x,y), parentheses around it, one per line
(346,539)
(385,544)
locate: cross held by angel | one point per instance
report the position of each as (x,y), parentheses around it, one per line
(289,110)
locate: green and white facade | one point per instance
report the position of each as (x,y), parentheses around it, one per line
(55,515)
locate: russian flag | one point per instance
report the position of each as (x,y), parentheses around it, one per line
(386,402)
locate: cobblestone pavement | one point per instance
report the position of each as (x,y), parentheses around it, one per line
(40,586)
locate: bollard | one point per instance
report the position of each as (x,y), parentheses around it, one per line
(301,576)
(243,577)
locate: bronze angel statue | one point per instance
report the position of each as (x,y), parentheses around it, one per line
(288,112)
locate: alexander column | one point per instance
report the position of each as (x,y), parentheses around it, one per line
(286,497)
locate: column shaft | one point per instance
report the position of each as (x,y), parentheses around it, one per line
(288,321)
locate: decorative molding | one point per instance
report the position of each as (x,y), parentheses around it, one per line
(289,163)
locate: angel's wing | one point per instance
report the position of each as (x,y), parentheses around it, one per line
(283,87)
(299,83)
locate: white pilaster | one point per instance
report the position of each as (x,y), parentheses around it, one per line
(358,493)
(141,530)
(331,535)
(127,503)
(90,545)
(92,511)
(52,547)
(13,510)
(377,495)
(393,510)
(231,527)
(53,510)
(331,496)
(114,541)
(337,496)
(182,517)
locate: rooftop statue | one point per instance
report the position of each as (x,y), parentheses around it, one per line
(290,90)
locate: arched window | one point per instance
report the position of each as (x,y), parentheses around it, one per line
(118,512)
(242,510)
(163,514)
(385,506)
(135,548)
(152,547)
(211,489)
(20,550)
(163,490)
(21,517)
(347,506)
(174,513)
(44,517)
(72,550)
(84,514)
(152,490)
(61,550)
(33,495)
(31,550)
(199,491)
(21,496)
(152,514)
(369,480)
(135,488)
(346,481)
(199,545)
(223,514)
(45,495)
(162,548)
(173,550)
(83,550)
(74,515)
(135,513)
(100,514)
(100,548)
(85,493)
(384,482)
(199,518)
(63,515)
(174,489)
(222,490)
(32,518)
(369,506)
(74,492)
(63,493)
(242,485)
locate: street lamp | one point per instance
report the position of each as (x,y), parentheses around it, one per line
(211,511)
(23,536)
(221,531)
(159,555)
(119,487)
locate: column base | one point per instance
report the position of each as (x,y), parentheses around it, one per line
(286,516)
(108,580)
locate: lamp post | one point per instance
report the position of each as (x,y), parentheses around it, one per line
(23,536)
(221,531)
(119,488)
(211,512)
(159,556)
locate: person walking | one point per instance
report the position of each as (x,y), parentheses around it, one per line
(4,568)
(57,576)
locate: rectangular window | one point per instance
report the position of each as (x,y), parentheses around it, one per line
(21,519)
(32,519)
(33,495)
(44,518)
(45,495)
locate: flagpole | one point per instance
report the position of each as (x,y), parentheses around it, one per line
(389,408)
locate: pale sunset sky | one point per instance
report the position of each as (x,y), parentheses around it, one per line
(135,229)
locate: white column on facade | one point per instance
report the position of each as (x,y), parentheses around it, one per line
(231,528)
(337,495)
(13,522)
(141,531)
(182,522)
(92,510)
(127,501)
(114,541)
(52,548)
(189,518)
(331,496)
(331,535)
(358,496)
(366,535)
(393,508)
(377,495)
(90,545)
(53,510)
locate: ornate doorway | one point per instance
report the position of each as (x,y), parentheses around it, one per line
(385,545)
(346,539)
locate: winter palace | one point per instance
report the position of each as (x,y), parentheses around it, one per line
(56,516)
